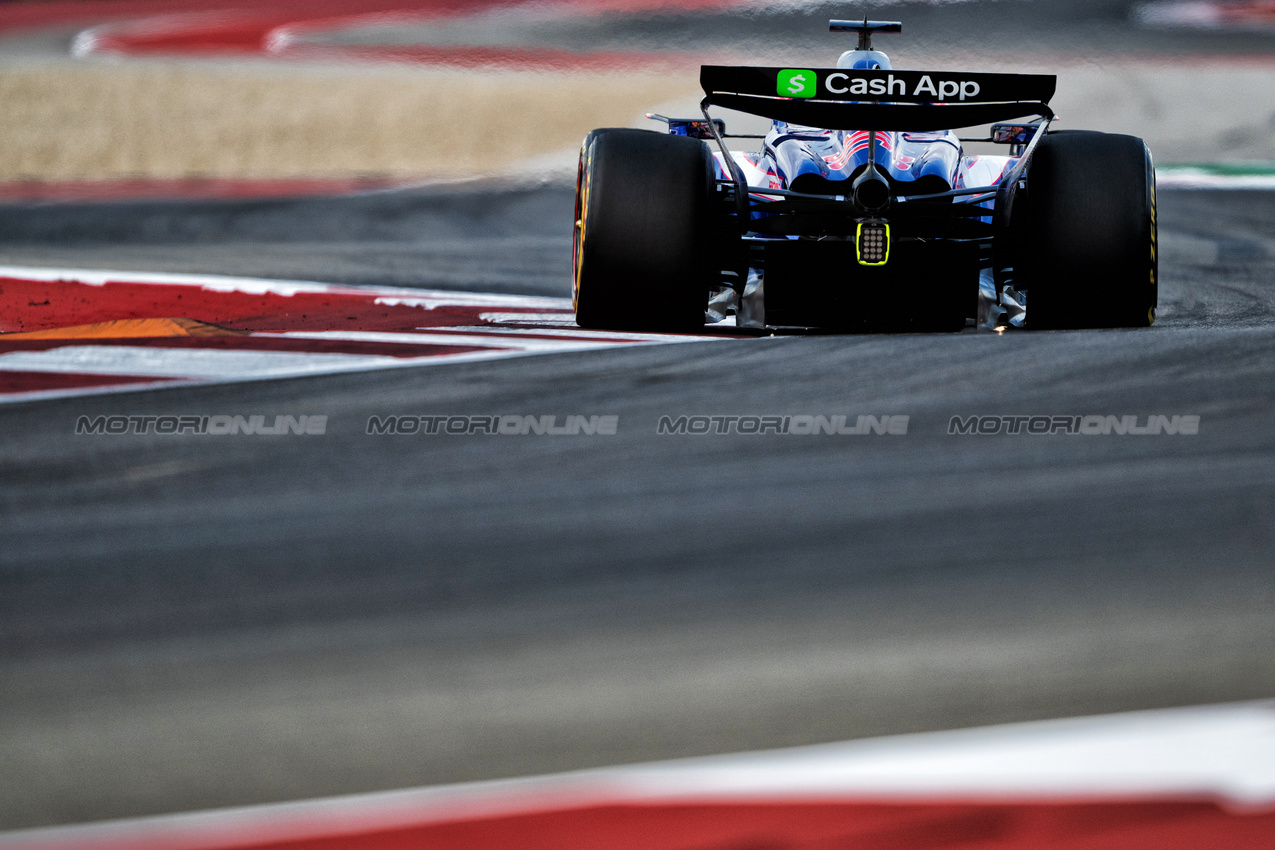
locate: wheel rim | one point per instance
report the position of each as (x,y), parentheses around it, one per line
(582,214)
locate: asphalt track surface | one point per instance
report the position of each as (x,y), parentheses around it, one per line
(189,622)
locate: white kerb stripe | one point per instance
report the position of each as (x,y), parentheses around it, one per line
(383,295)
(184,362)
(1226,751)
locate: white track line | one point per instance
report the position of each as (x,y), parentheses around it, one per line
(430,337)
(191,363)
(171,366)
(1186,177)
(572,332)
(145,385)
(427,298)
(563,317)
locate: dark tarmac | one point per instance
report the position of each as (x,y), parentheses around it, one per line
(188,622)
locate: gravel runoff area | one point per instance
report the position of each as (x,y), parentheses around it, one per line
(150,119)
(90,121)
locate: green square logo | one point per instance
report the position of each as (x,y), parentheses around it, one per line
(797,82)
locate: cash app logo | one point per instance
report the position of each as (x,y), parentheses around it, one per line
(796,82)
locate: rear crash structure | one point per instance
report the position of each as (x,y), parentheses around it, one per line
(863,209)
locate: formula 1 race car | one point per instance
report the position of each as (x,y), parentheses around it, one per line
(863,210)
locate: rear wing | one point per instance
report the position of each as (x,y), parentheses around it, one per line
(848,99)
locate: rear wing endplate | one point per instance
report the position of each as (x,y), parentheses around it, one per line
(848,99)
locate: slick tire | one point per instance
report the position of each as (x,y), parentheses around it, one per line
(642,233)
(1087,233)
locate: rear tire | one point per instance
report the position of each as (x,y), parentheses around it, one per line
(1087,249)
(643,206)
